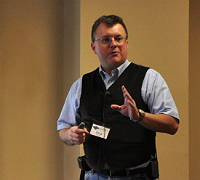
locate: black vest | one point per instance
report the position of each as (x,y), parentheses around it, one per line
(128,144)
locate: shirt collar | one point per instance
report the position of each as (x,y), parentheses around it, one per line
(119,70)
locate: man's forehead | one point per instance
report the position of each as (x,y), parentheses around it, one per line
(104,29)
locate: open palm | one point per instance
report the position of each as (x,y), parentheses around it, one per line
(129,107)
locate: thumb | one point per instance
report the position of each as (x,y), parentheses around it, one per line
(116,107)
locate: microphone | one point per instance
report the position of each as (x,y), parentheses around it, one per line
(107,93)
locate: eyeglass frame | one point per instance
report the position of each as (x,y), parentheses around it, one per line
(109,37)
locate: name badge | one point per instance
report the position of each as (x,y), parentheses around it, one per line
(99,131)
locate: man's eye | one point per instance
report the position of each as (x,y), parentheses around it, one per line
(118,39)
(105,40)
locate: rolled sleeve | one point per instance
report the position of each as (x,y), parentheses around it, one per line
(69,114)
(157,96)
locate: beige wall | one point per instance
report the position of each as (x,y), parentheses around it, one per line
(71,73)
(194,88)
(31,86)
(37,69)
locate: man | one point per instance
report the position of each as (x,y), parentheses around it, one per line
(123,105)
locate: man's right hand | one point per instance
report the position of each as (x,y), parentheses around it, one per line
(73,136)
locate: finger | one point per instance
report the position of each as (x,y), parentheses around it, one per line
(116,107)
(126,93)
(77,141)
(77,130)
(77,134)
(131,103)
(77,138)
(86,131)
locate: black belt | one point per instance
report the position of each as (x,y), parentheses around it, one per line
(122,173)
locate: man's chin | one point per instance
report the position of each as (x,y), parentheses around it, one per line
(116,60)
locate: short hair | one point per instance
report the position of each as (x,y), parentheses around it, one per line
(110,21)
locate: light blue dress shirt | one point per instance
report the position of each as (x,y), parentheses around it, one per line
(155,94)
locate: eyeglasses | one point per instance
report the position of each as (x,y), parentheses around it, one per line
(106,40)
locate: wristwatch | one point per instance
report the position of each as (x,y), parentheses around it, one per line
(142,114)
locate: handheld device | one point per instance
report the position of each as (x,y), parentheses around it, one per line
(81,125)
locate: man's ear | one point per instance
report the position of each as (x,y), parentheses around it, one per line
(93,47)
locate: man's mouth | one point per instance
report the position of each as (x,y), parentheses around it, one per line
(113,53)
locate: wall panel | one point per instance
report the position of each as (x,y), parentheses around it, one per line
(194,87)
(31,60)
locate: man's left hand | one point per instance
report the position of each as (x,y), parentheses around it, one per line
(129,107)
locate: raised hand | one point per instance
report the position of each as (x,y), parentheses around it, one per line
(129,107)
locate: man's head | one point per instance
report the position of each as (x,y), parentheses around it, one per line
(109,42)
(109,21)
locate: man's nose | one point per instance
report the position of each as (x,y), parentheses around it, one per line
(113,42)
